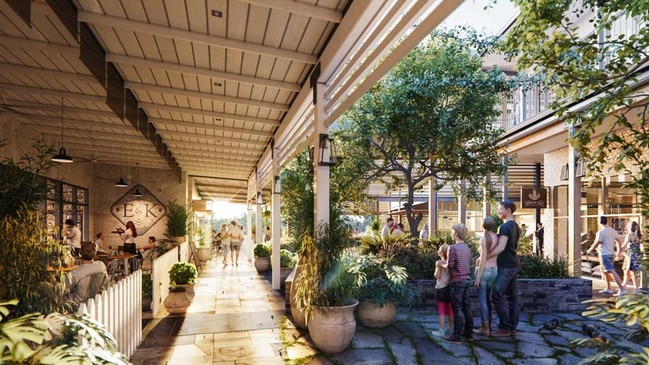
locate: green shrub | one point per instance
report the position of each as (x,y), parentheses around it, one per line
(380,281)
(290,243)
(147,286)
(286,259)
(632,310)
(536,267)
(182,273)
(261,250)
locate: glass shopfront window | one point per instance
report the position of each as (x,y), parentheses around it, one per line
(618,203)
(65,201)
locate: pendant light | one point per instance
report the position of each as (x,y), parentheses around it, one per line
(62,156)
(121,183)
(137,193)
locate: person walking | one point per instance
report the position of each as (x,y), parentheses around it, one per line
(505,294)
(224,236)
(387,229)
(485,278)
(608,241)
(632,248)
(459,267)
(236,237)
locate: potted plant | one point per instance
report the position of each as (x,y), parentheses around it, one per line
(178,220)
(381,286)
(286,264)
(203,246)
(262,257)
(177,300)
(183,274)
(327,288)
(55,339)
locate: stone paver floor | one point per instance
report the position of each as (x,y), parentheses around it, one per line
(236,318)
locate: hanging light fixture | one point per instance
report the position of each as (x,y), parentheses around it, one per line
(62,156)
(328,155)
(260,198)
(121,183)
(137,192)
(277,188)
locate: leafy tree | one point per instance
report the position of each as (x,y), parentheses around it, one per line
(297,196)
(431,116)
(21,187)
(610,131)
(601,67)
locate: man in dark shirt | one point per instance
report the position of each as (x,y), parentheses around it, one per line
(459,268)
(505,295)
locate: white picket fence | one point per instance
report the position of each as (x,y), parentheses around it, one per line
(119,309)
(160,274)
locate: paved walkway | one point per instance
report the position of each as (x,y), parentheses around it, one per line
(236,318)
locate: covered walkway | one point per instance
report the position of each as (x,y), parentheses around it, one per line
(236,318)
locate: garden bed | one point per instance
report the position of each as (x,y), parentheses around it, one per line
(535,295)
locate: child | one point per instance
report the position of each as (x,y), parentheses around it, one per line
(443,291)
(459,267)
(632,249)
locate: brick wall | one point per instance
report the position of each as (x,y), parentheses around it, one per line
(535,295)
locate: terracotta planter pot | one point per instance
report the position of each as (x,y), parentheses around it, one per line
(204,253)
(177,302)
(371,315)
(262,263)
(189,290)
(178,239)
(332,328)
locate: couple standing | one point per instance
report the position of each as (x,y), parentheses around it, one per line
(498,268)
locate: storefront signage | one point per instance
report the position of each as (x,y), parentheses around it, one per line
(533,198)
(144,211)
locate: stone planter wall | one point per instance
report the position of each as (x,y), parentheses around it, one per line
(535,295)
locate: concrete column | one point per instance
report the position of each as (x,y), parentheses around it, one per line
(486,204)
(275,229)
(321,173)
(249,238)
(506,179)
(259,224)
(432,207)
(574,214)
(461,206)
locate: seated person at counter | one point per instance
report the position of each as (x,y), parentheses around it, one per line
(99,242)
(89,276)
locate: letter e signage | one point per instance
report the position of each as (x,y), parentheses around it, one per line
(144,211)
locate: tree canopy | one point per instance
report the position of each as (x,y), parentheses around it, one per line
(431,116)
(603,65)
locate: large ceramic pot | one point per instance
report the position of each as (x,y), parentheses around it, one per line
(332,328)
(371,315)
(177,302)
(189,290)
(204,253)
(262,263)
(299,319)
(178,239)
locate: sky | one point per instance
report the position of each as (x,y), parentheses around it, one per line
(474,14)
(223,209)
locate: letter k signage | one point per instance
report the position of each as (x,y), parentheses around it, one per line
(144,211)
